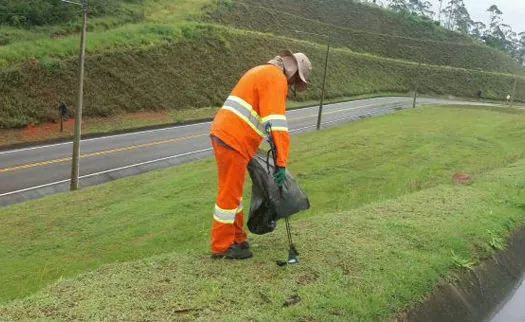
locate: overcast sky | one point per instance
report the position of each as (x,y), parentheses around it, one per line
(513,11)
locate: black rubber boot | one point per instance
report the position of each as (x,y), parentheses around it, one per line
(234,252)
(244,245)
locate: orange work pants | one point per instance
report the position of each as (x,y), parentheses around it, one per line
(228,218)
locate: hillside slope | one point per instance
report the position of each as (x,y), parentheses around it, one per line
(171,60)
(178,75)
(362,28)
(356,15)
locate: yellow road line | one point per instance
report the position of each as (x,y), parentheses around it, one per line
(139,146)
(100,153)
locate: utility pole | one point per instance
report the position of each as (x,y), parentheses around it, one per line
(319,117)
(415,97)
(417,80)
(513,91)
(321,105)
(80,102)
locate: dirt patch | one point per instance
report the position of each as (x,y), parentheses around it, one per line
(46,130)
(51,130)
(461,178)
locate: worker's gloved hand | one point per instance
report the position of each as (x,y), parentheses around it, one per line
(279,176)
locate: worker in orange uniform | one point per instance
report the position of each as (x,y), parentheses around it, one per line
(237,131)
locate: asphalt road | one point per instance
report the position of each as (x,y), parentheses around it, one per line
(41,170)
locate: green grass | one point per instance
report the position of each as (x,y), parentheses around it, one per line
(12,35)
(436,48)
(175,75)
(341,169)
(28,14)
(361,264)
(159,60)
(365,264)
(169,11)
(154,22)
(122,37)
(359,16)
(158,22)
(149,11)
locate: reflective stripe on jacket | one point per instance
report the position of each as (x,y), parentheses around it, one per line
(257,99)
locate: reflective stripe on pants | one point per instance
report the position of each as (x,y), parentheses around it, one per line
(228,218)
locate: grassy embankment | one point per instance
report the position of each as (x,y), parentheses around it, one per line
(365,29)
(178,75)
(387,223)
(117,26)
(167,61)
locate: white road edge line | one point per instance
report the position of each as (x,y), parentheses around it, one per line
(106,171)
(157,160)
(148,162)
(127,167)
(103,137)
(160,130)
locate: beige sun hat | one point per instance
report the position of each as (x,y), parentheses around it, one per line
(297,63)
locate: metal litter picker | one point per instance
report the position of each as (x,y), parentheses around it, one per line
(292,252)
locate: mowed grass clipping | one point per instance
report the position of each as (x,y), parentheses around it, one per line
(360,265)
(363,264)
(169,211)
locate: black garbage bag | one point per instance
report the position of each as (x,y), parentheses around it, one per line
(268,203)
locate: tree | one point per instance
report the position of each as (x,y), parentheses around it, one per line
(449,13)
(462,18)
(458,17)
(399,6)
(421,8)
(521,48)
(512,42)
(478,30)
(495,20)
(501,36)
(495,36)
(416,7)
(495,13)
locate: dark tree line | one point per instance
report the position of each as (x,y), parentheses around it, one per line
(454,15)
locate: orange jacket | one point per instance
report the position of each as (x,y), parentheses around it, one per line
(257,99)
